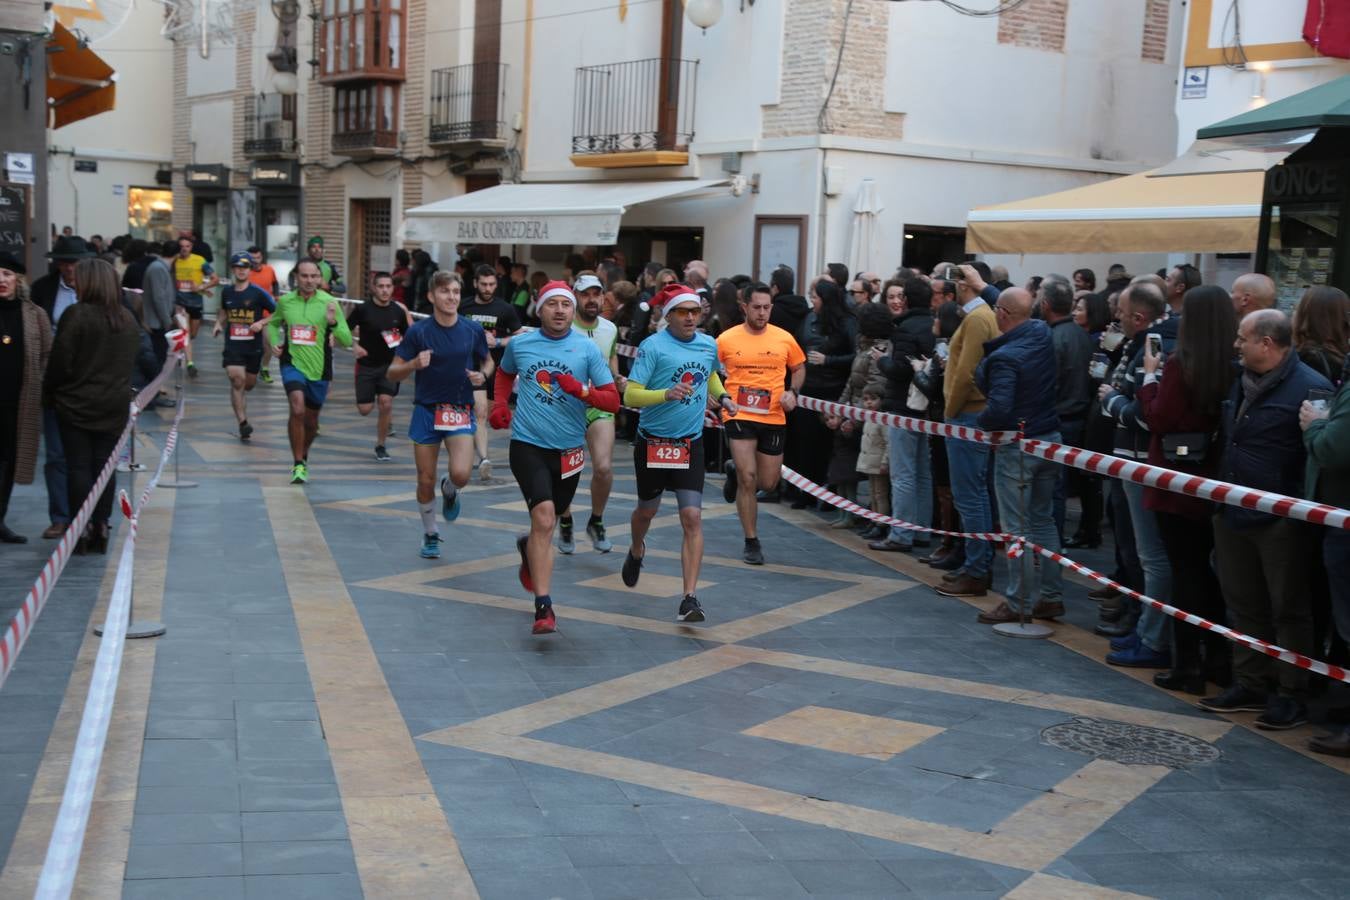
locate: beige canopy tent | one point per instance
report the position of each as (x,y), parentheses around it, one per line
(1149,212)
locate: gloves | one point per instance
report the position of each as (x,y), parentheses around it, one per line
(499,417)
(570,384)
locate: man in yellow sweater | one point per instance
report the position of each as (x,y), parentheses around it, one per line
(968,461)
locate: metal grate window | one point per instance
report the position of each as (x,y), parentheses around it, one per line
(376,250)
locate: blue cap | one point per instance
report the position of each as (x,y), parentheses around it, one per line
(241,259)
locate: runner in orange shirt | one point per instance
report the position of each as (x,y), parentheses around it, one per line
(265,277)
(757,356)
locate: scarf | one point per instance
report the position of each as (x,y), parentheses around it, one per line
(1253,386)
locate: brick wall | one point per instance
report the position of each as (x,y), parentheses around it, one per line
(1154,45)
(414,114)
(1036,24)
(245,38)
(182,139)
(810,49)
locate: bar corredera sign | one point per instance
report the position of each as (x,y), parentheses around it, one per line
(502,230)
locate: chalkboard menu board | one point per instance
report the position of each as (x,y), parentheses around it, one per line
(14,219)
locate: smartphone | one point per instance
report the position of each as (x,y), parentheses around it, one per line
(1155,344)
(953,274)
(941,349)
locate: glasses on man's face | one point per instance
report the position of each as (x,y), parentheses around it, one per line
(858,293)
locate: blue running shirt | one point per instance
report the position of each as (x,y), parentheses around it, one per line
(546,415)
(662,360)
(454,350)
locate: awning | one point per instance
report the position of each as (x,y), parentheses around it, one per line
(586,212)
(1143,213)
(1326,104)
(79,83)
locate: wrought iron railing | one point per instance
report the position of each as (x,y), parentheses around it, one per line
(269,125)
(365,140)
(647,104)
(468,103)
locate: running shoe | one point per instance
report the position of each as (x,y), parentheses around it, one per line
(525,580)
(632,568)
(192,370)
(753,554)
(381,454)
(265,376)
(245,431)
(690,611)
(729,489)
(485,470)
(299,473)
(544,620)
(449,500)
(567,544)
(431,546)
(316,429)
(595,530)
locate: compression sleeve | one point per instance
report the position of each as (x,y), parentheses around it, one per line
(716,390)
(503,386)
(638,397)
(604,398)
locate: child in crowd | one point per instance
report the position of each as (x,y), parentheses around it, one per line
(873,460)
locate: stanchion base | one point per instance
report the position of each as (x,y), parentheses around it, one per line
(1023,630)
(138,630)
(178,484)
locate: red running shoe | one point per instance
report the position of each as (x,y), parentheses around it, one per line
(544,620)
(525,580)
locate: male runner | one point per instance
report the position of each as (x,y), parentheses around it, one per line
(450,355)
(500,321)
(379,326)
(330,279)
(756,354)
(265,277)
(599,424)
(562,374)
(192,277)
(672,378)
(306,317)
(243,309)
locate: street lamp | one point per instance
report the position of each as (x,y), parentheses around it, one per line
(703,13)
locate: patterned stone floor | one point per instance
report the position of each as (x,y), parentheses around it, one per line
(331,716)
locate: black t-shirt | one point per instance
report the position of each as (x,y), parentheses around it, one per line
(498,317)
(241,309)
(381,330)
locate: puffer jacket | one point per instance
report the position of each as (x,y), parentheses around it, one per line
(912,339)
(863,371)
(875,449)
(1018,381)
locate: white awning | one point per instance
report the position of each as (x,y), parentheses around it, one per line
(585,212)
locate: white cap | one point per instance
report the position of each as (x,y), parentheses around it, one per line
(586,282)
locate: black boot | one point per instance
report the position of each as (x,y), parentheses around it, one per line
(1185,674)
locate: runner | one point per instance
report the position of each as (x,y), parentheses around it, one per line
(245,307)
(561,376)
(450,355)
(599,424)
(378,327)
(500,321)
(192,277)
(756,355)
(681,365)
(330,279)
(265,277)
(307,317)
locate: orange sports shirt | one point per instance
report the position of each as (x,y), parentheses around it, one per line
(757,364)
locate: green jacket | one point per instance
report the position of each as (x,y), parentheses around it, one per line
(1327,475)
(315,361)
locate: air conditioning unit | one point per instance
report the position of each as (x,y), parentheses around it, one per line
(279,129)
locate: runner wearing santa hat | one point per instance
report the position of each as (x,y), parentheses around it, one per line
(559,374)
(675,373)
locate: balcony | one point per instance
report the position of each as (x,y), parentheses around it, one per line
(269,126)
(468,107)
(366,119)
(638,113)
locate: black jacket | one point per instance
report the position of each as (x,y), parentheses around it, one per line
(826,380)
(1073,355)
(912,339)
(789,313)
(43,292)
(1017,383)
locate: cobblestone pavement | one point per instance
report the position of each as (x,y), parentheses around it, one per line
(331,716)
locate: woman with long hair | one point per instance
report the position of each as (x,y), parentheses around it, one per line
(1182,407)
(88,384)
(1321,330)
(830,335)
(1092,313)
(25,342)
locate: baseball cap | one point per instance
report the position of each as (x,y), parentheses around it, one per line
(586,282)
(241,259)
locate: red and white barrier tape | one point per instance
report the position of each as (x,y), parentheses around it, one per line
(21,626)
(909,423)
(1014,545)
(63,851)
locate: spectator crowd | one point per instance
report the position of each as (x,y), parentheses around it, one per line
(1156,367)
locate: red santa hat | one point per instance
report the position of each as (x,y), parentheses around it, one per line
(555,288)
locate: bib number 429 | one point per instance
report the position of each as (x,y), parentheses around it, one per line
(667,454)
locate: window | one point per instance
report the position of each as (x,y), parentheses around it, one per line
(361,39)
(366,116)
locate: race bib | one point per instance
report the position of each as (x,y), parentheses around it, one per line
(392,337)
(572,461)
(187,286)
(304,336)
(239,331)
(664,454)
(753,399)
(449,417)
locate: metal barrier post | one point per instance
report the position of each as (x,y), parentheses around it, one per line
(177,481)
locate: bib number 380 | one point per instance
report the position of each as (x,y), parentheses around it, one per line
(572,461)
(667,454)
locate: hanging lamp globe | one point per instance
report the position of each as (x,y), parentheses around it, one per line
(703,13)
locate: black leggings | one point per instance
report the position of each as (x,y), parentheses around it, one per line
(1195,587)
(86,454)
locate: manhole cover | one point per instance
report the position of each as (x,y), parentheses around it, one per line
(1136,745)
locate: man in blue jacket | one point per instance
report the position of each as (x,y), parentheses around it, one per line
(1263,559)
(1020,391)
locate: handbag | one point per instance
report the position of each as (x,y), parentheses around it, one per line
(1186,446)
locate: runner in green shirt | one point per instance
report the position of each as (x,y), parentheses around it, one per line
(306,318)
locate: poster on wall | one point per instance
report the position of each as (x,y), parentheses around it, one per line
(282,247)
(243,220)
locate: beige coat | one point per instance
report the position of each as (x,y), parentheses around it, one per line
(875,450)
(37,345)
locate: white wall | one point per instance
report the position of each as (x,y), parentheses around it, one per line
(215,73)
(212,130)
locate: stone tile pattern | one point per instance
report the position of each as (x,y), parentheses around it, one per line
(1036,24)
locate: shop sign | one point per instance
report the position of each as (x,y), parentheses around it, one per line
(1313,180)
(274,173)
(86,165)
(213,176)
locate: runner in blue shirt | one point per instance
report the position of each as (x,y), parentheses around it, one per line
(561,375)
(243,313)
(674,375)
(449,353)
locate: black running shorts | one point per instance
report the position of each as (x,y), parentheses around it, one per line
(538,472)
